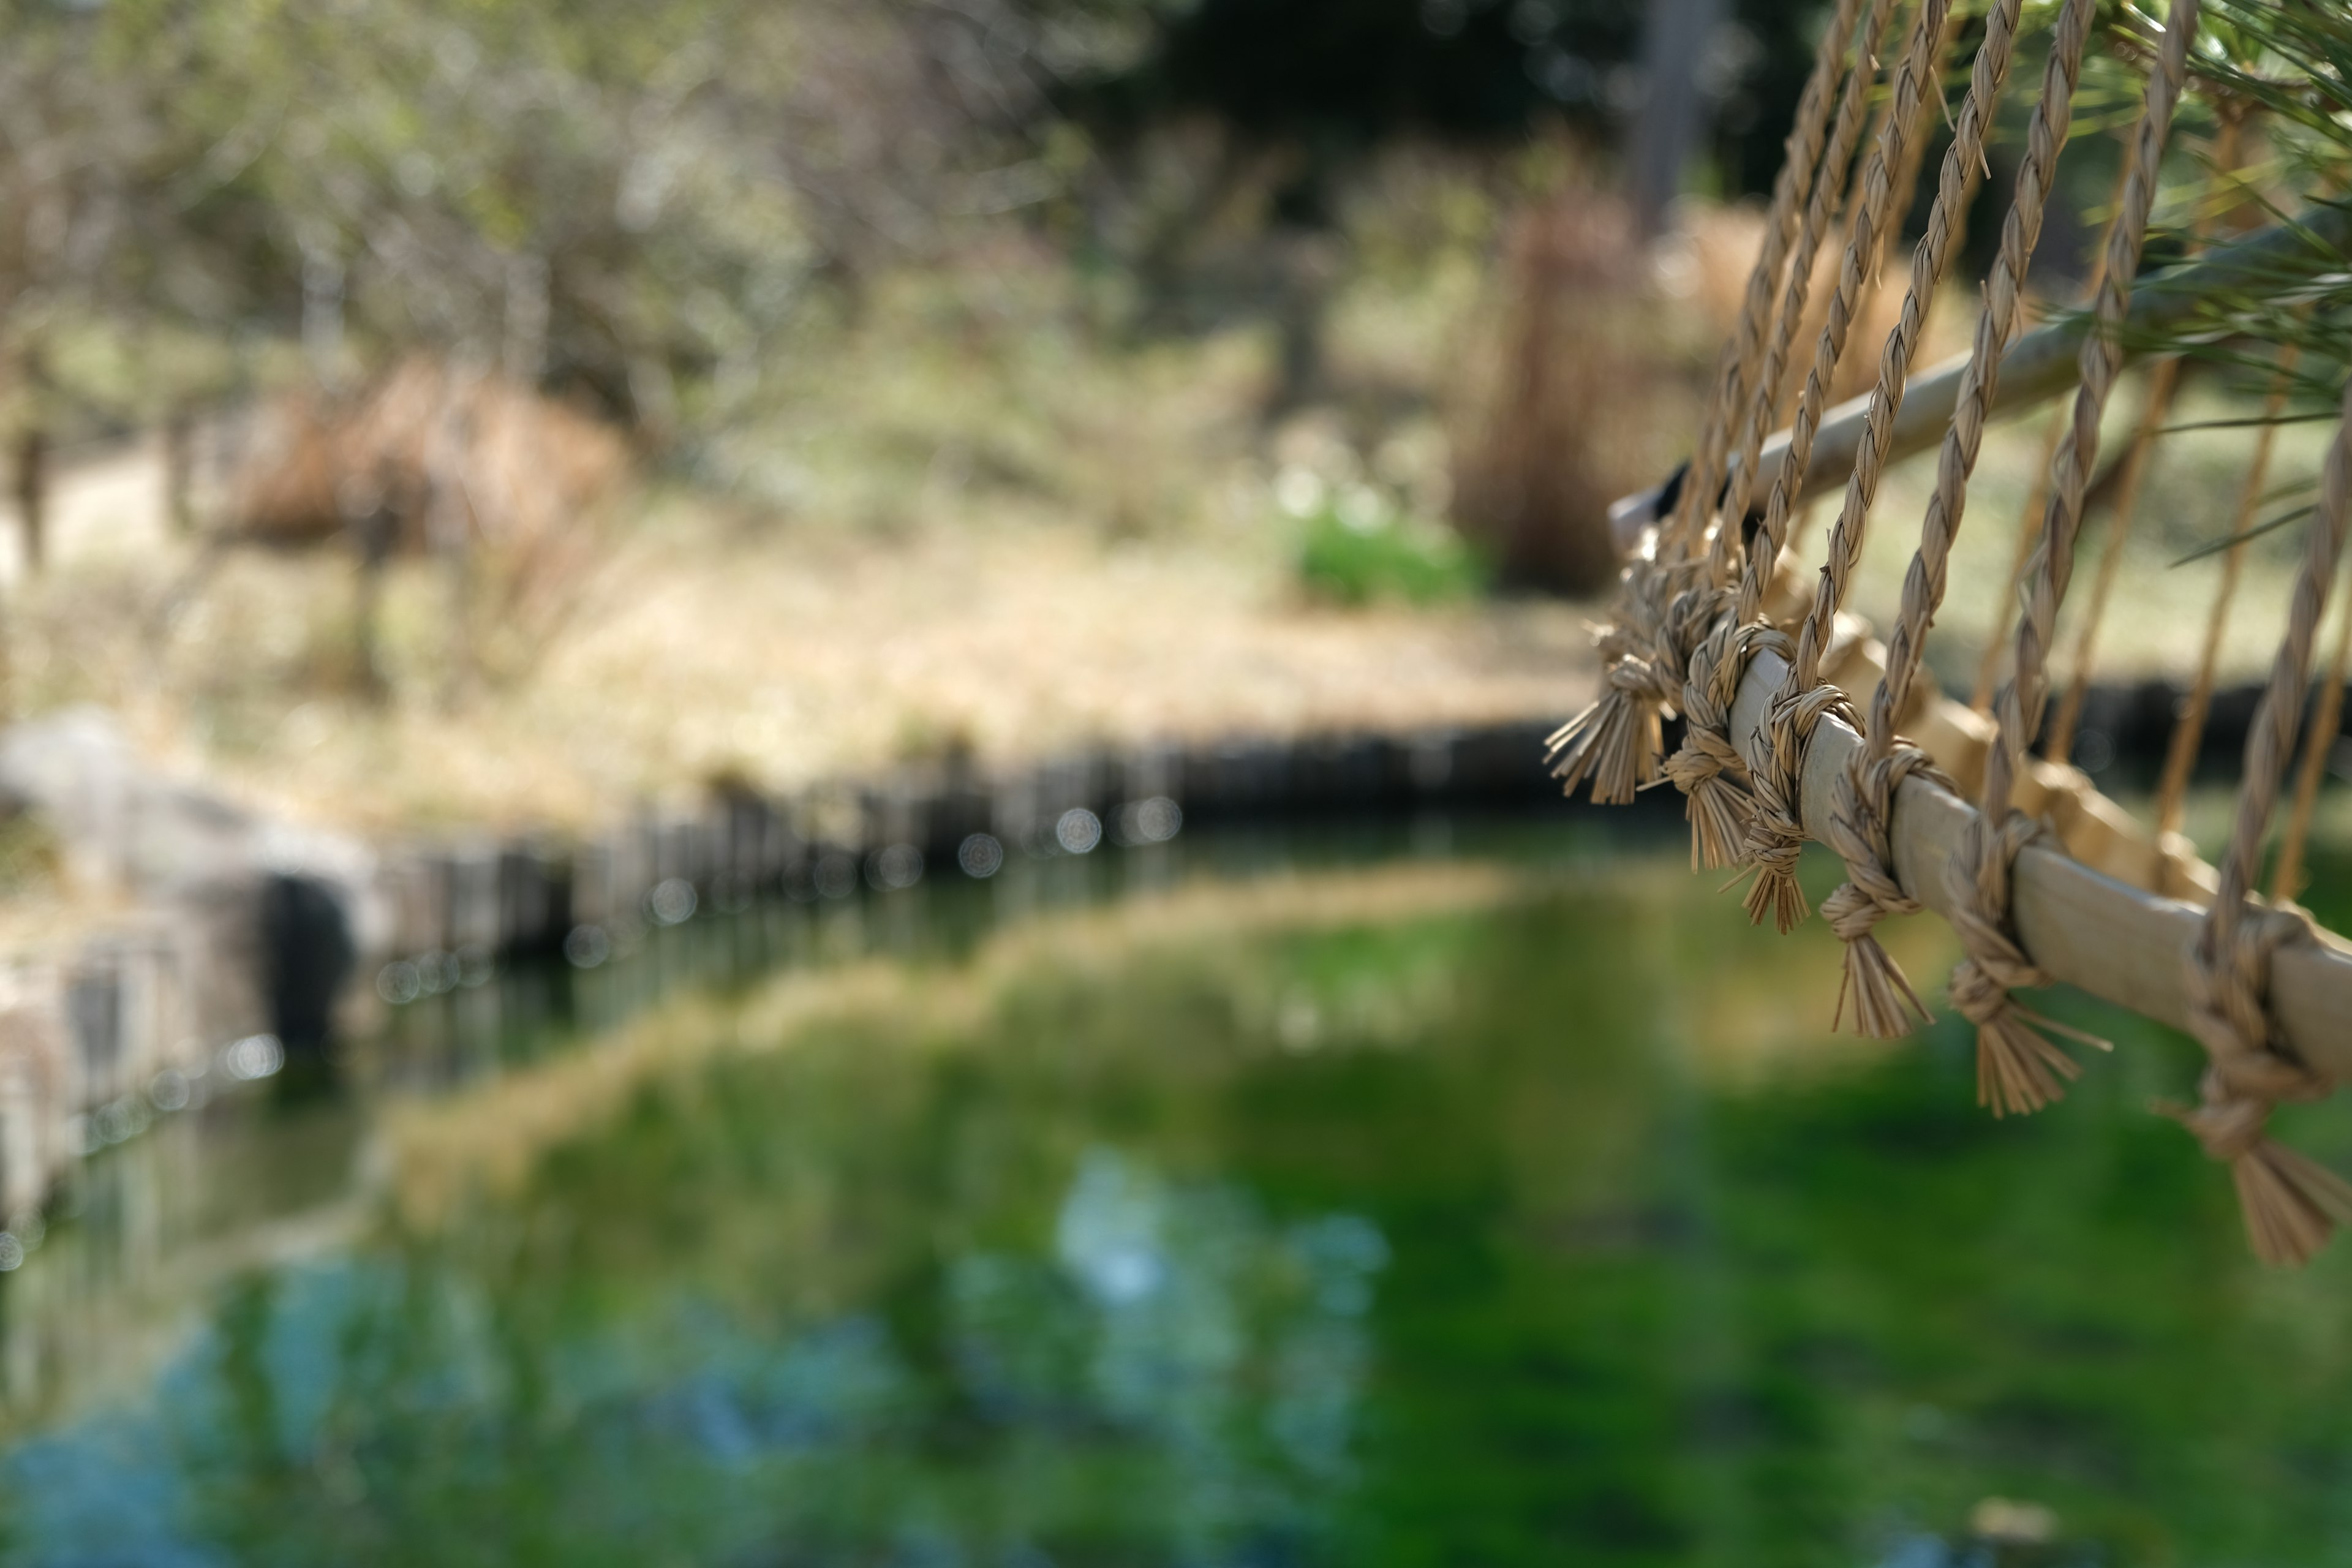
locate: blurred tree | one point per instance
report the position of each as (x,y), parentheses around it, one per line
(69,146)
(1312,88)
(624,198)
(1352,72)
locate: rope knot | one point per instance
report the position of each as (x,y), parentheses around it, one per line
(2019,1070)
(1647,679)
(1614,742)
(2292,1203)
(1862,815)
(1775,837)
(1708,769)
(2228,1125)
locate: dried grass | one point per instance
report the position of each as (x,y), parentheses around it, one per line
(511,488)
(527,468)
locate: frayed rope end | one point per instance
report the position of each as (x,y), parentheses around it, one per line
(2292,1203)
(1613,744)
(1884,1004)
(1775,892)
(1720,814)
(1886,1007)
(2018,1072)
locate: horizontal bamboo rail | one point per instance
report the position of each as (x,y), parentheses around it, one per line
(2038,366)
(2090,930)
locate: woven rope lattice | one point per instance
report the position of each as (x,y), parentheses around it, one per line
(1707,769)
(1721,816)
(1977,874)
(1614,745)
(1852,110)
(1791,189)
(1693,619)
(1866,790)
(1777,831)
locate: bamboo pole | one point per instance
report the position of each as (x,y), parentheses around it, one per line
(2114,941)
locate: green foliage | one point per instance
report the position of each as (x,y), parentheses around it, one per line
(625,199)
(1366,553)
(29,854)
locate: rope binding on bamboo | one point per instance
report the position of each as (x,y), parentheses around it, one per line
(1760,687)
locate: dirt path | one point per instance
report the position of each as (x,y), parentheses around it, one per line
(788,653)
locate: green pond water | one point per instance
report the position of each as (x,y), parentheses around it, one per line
(1541,1222)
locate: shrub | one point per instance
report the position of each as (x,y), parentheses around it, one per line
(1365,553)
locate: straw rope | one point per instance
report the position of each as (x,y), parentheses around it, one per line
(2162,382)
(2327,724)
(2292,1204)
(1777,831)
(1996,634)
(1905,177)
(1791,189)
(1707,768)
(2188,729)
(1719,822)
(1820,212)
(1614,745)
(1945,222)
(1861,830)
(2007,1048)
(1863,802)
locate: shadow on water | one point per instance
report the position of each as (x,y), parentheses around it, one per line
(1539,1223)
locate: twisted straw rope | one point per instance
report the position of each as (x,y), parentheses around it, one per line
(1864,791)
(1996,634)
(1862,831)
(1777,832)
(2291,1203)
(2189,730)
(1707,769)
(1720,814)
(2162,385)
(1950,211)
(1615,742)
(1820,212)
(1738,364)
(1978,874)
(1862,238)
(2327,724)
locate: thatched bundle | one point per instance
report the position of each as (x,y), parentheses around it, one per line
(444,455)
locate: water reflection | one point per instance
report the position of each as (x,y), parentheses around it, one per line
(1356,1228)
(1174,1369)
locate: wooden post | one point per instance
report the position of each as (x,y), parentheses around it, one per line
(1674,41)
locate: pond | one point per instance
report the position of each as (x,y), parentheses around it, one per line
(1445,1192)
